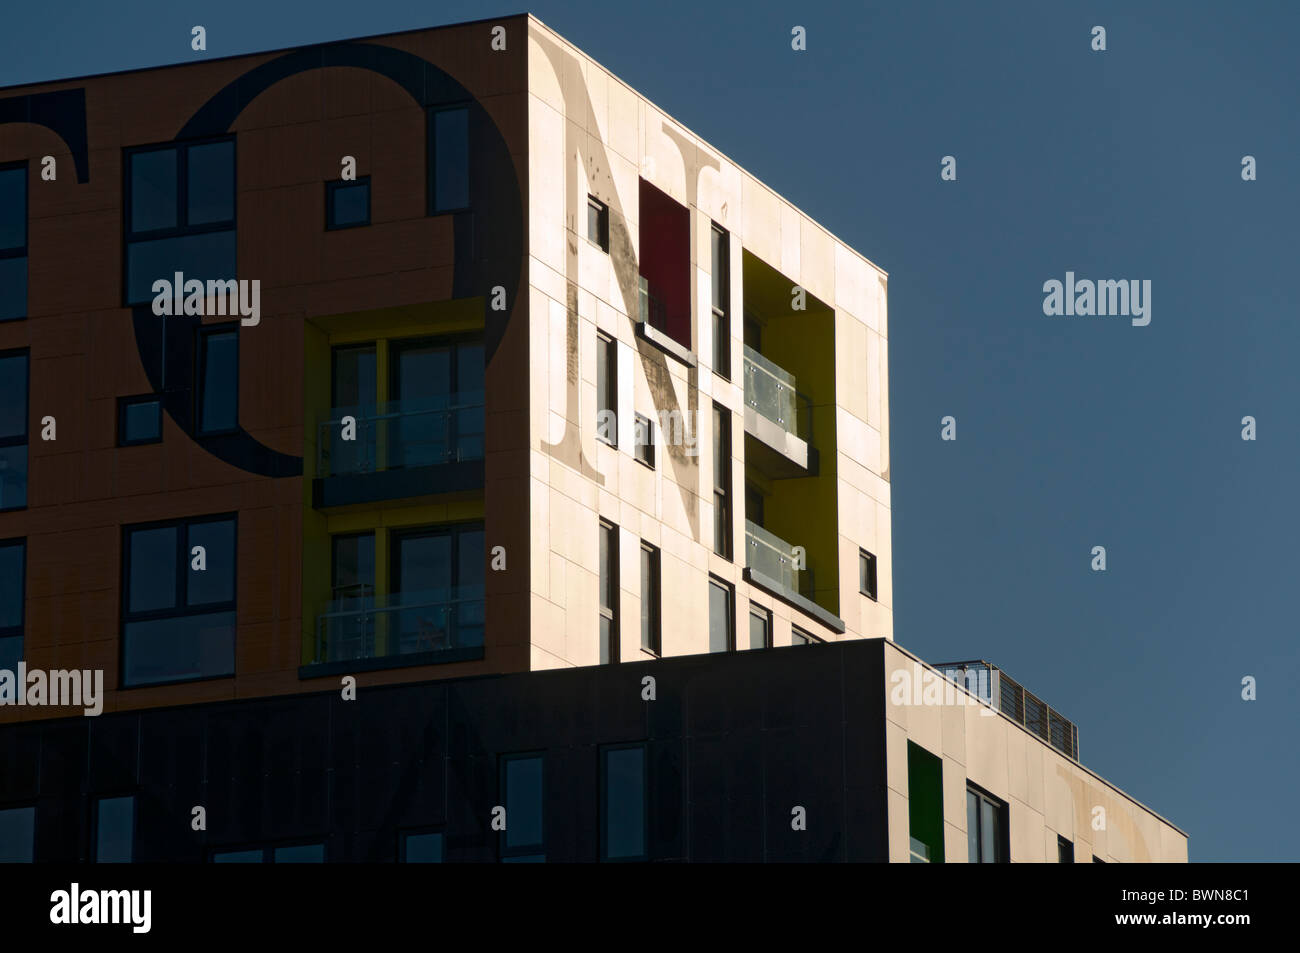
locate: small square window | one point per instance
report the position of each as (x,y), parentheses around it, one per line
(139,420)
(867,574)
(799,637)
(598,223)
(422,847)
(347,204)
(645,441)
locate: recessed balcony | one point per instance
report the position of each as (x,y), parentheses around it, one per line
(778,418)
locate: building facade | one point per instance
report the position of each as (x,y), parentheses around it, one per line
(427,356)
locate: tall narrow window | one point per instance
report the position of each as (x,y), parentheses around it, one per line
(436,590)
(218,384)
(644,450)
(608,593)
(867,574)
(760,627)
(180,215)
(650,632)
(13,430)
(986,827)
(722,616)
(523,778)
(623,802)
(606,390)
(13,241)
(1064,850)
(17,835)
(925,805)
(13,585)
(115,830)
(448,159)
(721,303)
(722,481)
(598,222)
(178,601)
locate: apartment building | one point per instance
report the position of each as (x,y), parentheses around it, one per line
(435,355)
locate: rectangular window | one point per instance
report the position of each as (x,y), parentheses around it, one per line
(986,828)
(1064,850)
(178,600)
(421,847)
(760,627)
(925,805)
(623,802)
(722,628)
(436,590)
(651,638)
(435,411)
(644,450)
(721,303)
(722,481)
(115,830)
(180,215)
(285,854)
(217,388)
(13,585)
(448,159)
(598,222)
(523,779)
(13,241)
(867,574)
(17,835)
(347,203)
(799,637)
(606,390)
(608,593)
(139,420)
(13,430)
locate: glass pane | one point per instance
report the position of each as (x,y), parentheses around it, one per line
(13,208)
(218,409)
(153,190)
(301,854)
(424,848)
(153,569)
(17,835)
(115,827)
(593,222)
(451,159)
(11,652)
(719,246)
(11,585)
(625,803)
(758,627)
(211,183)
(354,569)
(355,382)
(423,564)
(422,382)
(608,572)
(13,288)
(649,601)
(209,256)
(719,618)
(165,650)
(350,204)
(972,827)
(216,583)
(470,558)
(238,857)
(523,802)
(989,833)
(13,395)
(13,477)
(142,421)
(606,639)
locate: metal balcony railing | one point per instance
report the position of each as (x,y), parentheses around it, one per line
(772,556)
(373,627)
(1009,697)
(770,390)
(407,433)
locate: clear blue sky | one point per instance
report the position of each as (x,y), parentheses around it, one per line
(1072,431)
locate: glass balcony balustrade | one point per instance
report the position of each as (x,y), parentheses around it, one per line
(361,625)
(770,390)
(408,433)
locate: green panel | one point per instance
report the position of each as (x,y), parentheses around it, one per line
(925,801)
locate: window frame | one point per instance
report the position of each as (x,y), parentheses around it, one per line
(722,480)
(1002,846)
(601,238)
(94,826)
(721,308)
(537,848)
(181,609)
(798,633)
(763,614)
(341,185)
(646,788)
(607,347)
(204,333)
(122,404)
(871,587)
(23,252)
(430,141)
(730,591)
(1064,850)
(20,630)
(35,809)
(643,451)
(610,612)
(24,440)
(651,606)
(404,834)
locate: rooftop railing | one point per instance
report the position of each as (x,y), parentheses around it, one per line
(1009,697)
